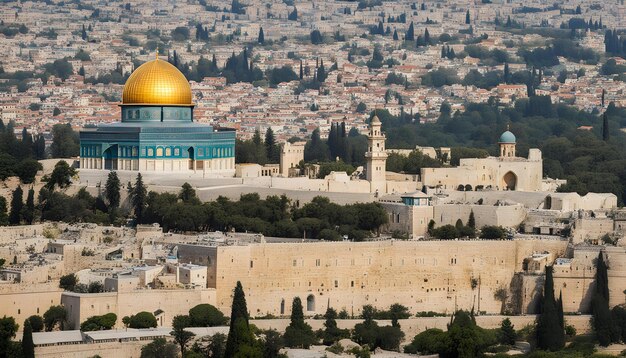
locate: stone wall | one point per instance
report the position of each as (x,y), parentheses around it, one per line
(499,215)
(104,350)
(27,301)
(81,306)
(422,275)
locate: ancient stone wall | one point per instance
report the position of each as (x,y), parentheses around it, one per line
(438,276)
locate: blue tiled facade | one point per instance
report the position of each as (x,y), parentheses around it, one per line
(156,133)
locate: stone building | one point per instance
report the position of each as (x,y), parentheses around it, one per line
(506,172)
(291,154)
(376,158)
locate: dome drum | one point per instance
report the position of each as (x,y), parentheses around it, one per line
(156,113)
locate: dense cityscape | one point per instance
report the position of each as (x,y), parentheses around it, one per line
(344,178)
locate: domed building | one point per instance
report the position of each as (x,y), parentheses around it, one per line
(505,172)
(157,131)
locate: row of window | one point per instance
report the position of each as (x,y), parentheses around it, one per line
(132,151)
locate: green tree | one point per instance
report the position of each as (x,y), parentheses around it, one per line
(261,36)
(507,332)
(471,221)
(159,348)
(206,315)
(188,195)
(142,319)
(240,340)
(27,169)
(332,333)
(217,346)
(605,329)
(28,348)
(16,206)
(36,323)
(490,232)
(272,343)
(8,329)
(550,332)
(112,190)
(466,339)
(4,217)
(53,317)
(181,336)
(138,198)
(298,334)
(271,149)
(65,141)
(98,323)
(61,176)
(410,33)
(28,211)
(445,232)
(68,282)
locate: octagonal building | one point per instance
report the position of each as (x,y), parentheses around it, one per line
(157,132)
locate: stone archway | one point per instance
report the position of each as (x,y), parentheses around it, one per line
(192,161)
(310,303)
(110,157)
(509,181)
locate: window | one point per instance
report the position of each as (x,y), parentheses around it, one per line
(310,303)
(317,262)
(168,152)
(251,264)
(336,283)
(150,152)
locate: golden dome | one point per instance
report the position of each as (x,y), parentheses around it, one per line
(157,82)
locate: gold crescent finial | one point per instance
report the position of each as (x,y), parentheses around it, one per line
(508,127)
(157,52)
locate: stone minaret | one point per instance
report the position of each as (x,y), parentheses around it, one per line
(376,158)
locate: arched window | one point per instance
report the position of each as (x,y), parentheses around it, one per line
(282,306)
(310,303)
(159,152)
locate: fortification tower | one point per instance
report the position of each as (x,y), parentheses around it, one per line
(376,158)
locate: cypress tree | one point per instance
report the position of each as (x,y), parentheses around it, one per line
(550,332)
(427,37)
(138,198)
(28,212)
(395,35)
(467,17)
(603,325)
(261,36)
(239,335)
(270,145)
(112,190)
(28,347)
(605,127)
(16,206)
(298,334)
(410,33)
(321,72)
(301,71)
(4,218)
(471,221)
(507,73)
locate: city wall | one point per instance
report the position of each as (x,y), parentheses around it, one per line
(27,300)
(104,350)
(438,276)
(500,215)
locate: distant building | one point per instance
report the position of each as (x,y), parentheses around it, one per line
(506,172)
